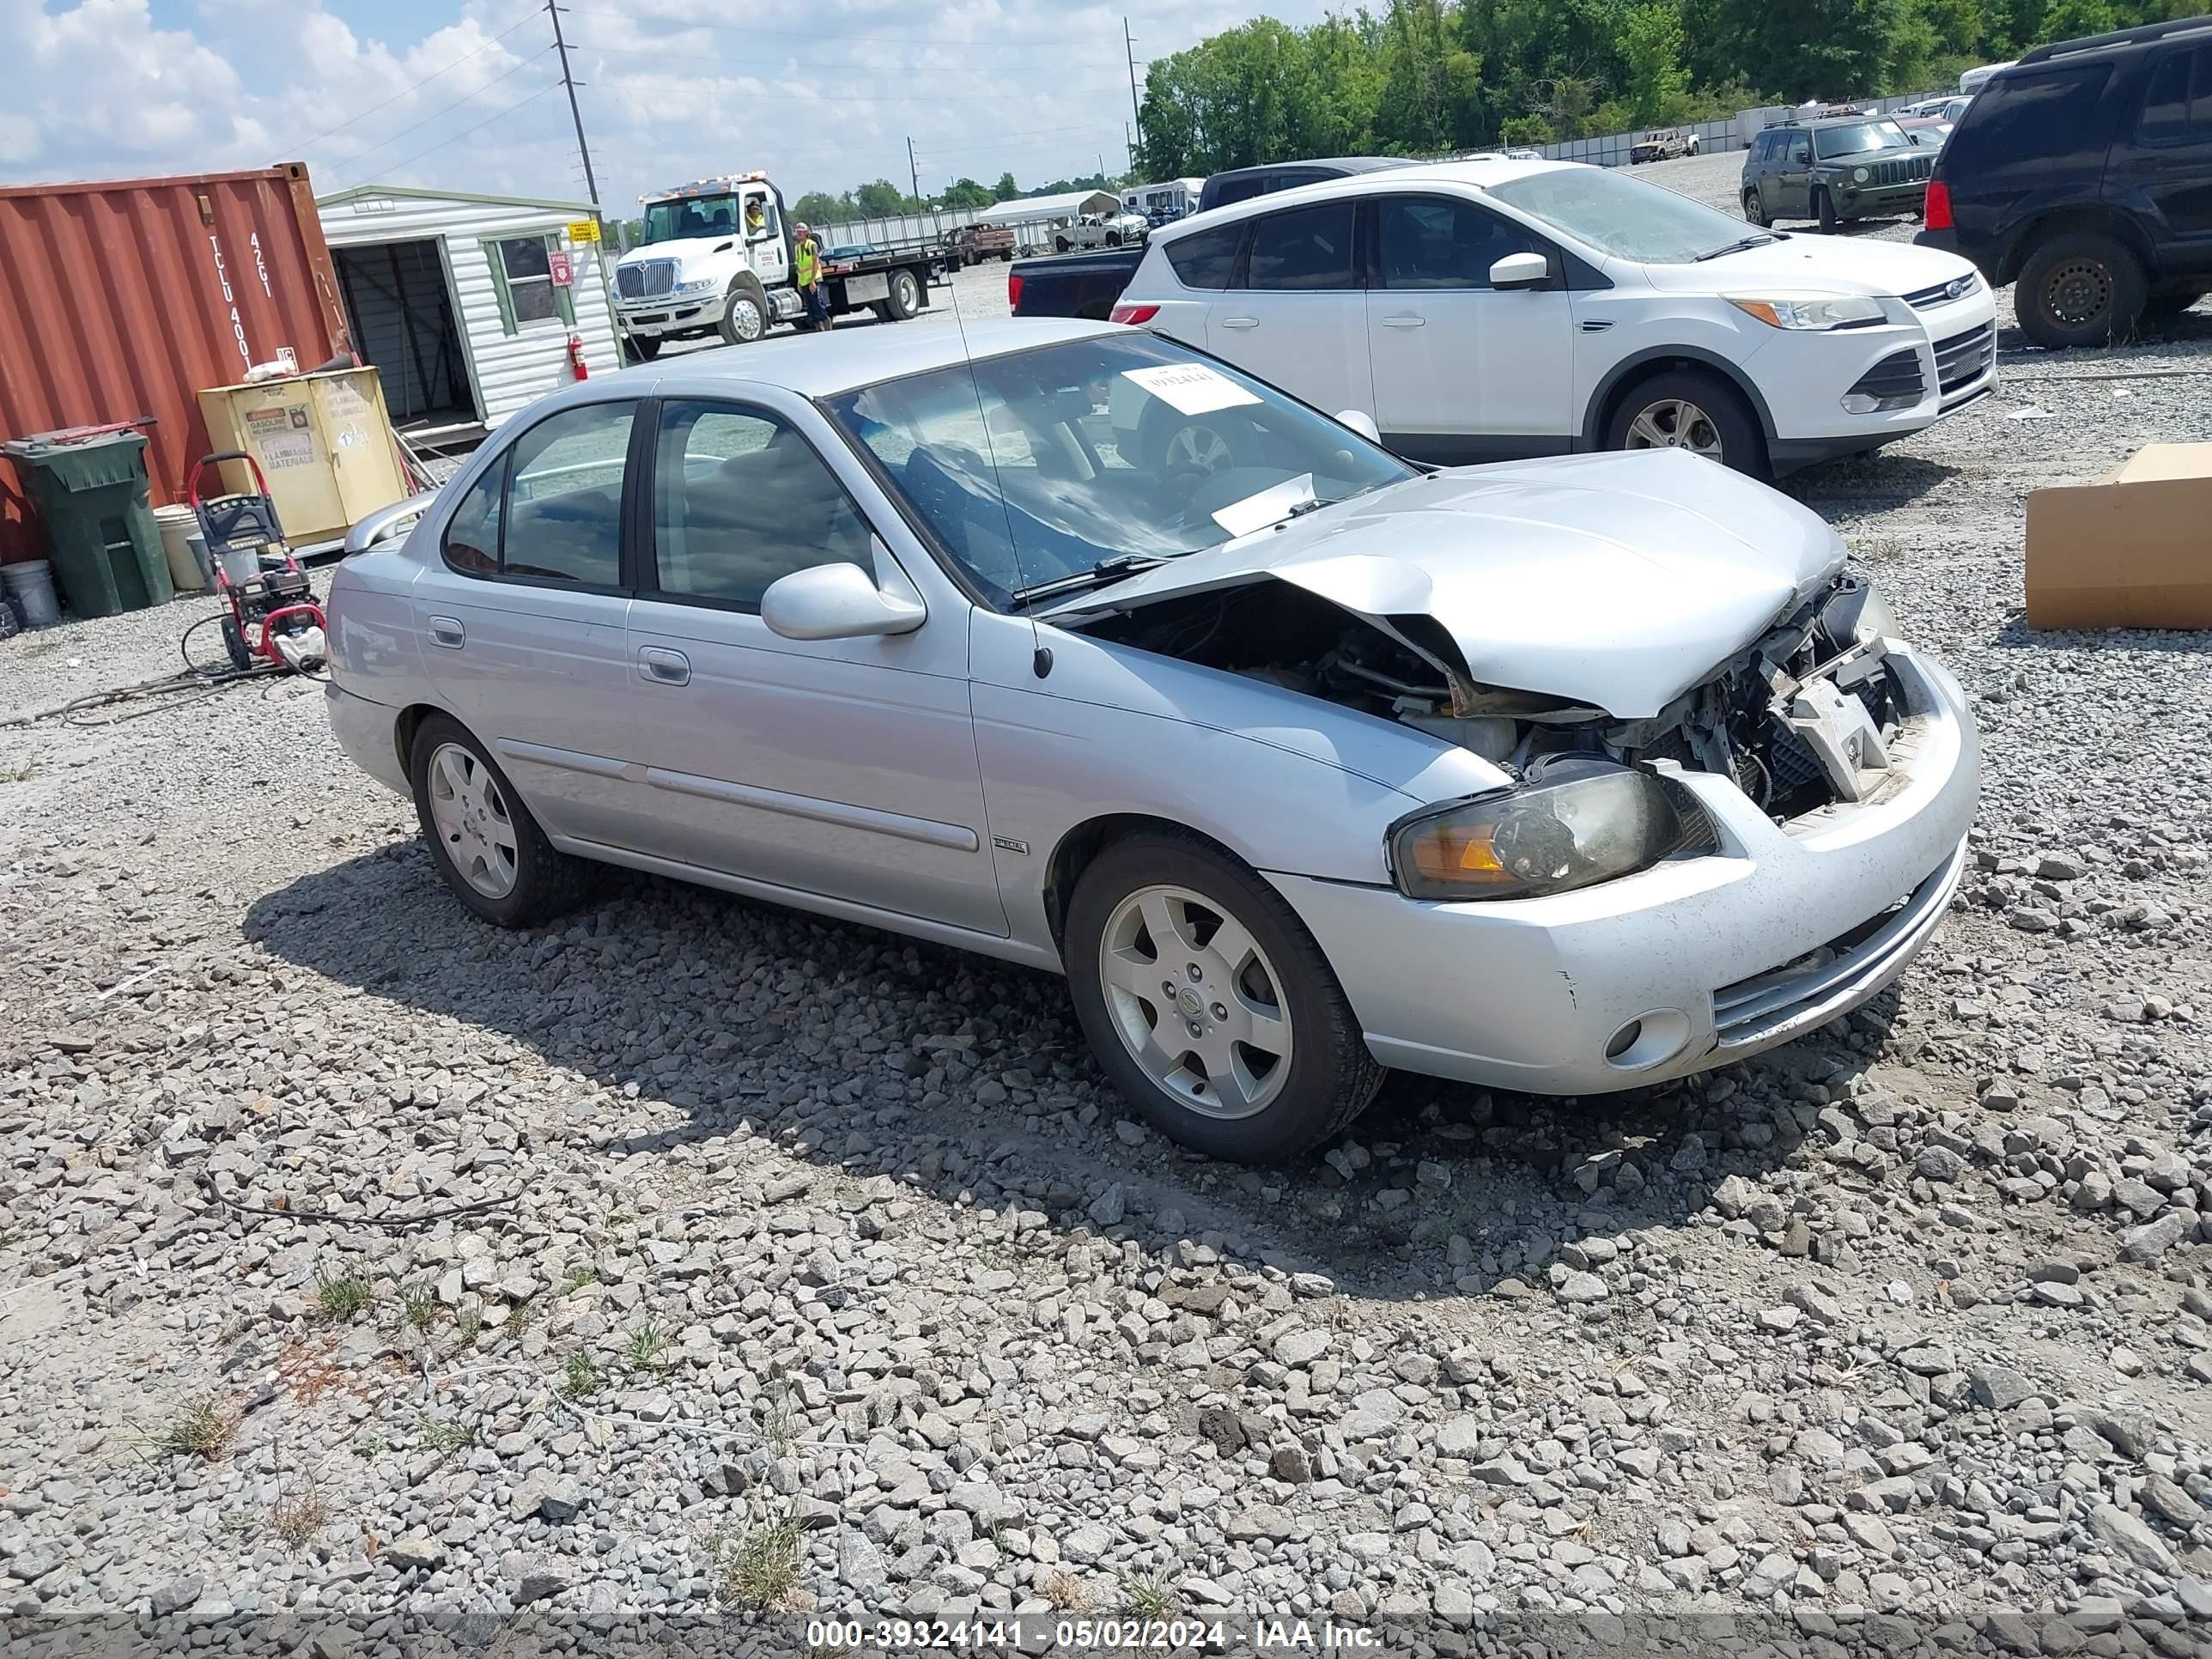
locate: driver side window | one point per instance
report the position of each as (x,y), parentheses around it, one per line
(741,499)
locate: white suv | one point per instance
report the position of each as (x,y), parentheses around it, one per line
(1493,309)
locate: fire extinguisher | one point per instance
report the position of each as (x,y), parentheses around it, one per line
(576,363)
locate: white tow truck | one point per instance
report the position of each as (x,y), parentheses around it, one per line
(699,271)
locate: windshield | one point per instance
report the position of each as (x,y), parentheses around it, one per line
(1621,217)
(1858,138)
(1125,449)
(695,216)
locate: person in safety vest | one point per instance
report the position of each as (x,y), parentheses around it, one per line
(755,220)
(807,276)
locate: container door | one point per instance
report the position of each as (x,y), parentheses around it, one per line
(357,433)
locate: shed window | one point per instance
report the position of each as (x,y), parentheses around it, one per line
(522,277)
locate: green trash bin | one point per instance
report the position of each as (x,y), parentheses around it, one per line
(92,494)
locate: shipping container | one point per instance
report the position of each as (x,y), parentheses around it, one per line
(123,299)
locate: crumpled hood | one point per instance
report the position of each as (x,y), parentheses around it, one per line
(1815,264)
(1619,580)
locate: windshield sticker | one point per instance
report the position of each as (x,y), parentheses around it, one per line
(1190,388)
(1271,506)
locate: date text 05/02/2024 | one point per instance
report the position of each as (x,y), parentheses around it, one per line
(1078,1635)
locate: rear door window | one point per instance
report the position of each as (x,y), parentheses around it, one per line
(2177,104)
(1207,260)
(2020,117)
(1306,248)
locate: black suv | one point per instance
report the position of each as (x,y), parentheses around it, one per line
(1857,167)
(2084,174)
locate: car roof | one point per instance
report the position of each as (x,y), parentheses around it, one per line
(1481,172)
(823,365)
(1343,164)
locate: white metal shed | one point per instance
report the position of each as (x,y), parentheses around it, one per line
(456,299)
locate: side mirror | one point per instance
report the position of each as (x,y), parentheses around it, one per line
(836,602)
(1362,422)
(1521,270)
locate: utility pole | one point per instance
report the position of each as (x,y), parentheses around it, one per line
(913,169)
(1128,46)
(560,41)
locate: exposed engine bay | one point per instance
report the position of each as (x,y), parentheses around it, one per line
(1803,717)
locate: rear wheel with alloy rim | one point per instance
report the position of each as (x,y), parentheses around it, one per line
(1684,409)
(1754,210)
(489,847)
(1209,1005)
(2079,290)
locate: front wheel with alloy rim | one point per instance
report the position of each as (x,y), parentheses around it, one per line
(1209,1005)
(488,846)
(1684,409)
(745,319)
(2079,290)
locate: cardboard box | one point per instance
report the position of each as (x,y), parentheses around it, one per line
(2134,550)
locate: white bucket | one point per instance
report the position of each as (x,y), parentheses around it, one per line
(177,524)
(32,583)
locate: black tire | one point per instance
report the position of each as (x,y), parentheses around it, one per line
(745,313)
(641,348)
(547,882)
(1824,210)
(1059,245)
(234,645)
(1332,1076)
(2165,307)
(1755,208)
(2079,289)
(1742,441)
(905,299)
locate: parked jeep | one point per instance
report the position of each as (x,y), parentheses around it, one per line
(1834,169)
(1663,144)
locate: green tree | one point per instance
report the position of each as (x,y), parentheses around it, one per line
(880,199)
(966,193)
(1005,190)
(819,208)
(1650,48)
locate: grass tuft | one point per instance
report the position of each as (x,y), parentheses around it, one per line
(646,1348)
(340,1298)
(197,1428)
(1146,1594)
(761,1565)
(296,1520)
(580,1376)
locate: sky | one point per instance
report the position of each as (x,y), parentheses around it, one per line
(466,94)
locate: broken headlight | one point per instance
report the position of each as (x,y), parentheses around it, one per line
(1576,821)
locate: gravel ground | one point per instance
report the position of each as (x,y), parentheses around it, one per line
(695,1254)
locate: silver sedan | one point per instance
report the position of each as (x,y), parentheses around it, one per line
(1066,644)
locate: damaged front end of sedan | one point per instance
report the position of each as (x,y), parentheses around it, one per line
(1806,716)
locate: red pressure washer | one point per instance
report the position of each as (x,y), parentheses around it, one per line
(274,618)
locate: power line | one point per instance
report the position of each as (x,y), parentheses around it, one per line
(416,87)
(845,64)
(467,132)
(694,81)
(747,29)
(477,92)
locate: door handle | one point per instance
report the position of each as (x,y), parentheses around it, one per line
(448,632)
(1240,322)
(1405,321)
(663,666)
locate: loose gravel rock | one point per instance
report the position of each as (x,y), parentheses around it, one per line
(690,1253)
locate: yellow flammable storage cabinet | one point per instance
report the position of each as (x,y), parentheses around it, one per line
(324,443)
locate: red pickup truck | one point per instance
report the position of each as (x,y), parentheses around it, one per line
(973,244)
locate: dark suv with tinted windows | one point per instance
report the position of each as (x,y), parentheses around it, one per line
(1858,166)
(2084,175)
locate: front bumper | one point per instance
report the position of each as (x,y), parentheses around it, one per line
(669,315)
(1805,377)
(1719,957)
(369,734)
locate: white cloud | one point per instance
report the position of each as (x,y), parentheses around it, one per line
(825,98)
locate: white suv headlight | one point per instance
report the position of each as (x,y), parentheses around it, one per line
(1810,313)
